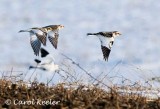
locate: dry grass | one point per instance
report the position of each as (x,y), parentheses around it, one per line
(72,93)
(71,96)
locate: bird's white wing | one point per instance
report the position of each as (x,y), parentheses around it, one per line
(48,64)
(46,60)
(106,45)
(35,43)
(41,35)
(46,57)
(53,38)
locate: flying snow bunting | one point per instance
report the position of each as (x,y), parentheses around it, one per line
(37,36)
(46,63)
(53,33)
(107,40)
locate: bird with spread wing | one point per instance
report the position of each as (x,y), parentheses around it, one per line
(53,33)
(46,62)
(38,36)
(107,40)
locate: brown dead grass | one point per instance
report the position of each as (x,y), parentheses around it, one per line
(70,96)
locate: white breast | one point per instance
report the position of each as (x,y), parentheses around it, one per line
(106,41)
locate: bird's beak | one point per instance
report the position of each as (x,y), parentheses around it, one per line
(120,34)
(61,26)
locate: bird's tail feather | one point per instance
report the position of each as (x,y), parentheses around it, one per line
(91,34)
(32,67)
(24,31)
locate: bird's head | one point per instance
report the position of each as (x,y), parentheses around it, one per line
(116,33)
(60,26)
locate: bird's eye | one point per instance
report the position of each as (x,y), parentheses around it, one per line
(117,33)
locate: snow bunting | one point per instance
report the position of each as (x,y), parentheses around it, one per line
(107,40)
(53,33)
(46,63)
(37,36)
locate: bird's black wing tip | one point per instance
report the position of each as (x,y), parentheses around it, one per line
(36,54)
(106,59)
(37,61)
(106,52)
(55,47)
(44,52)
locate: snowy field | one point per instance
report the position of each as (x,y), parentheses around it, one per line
(136,53)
